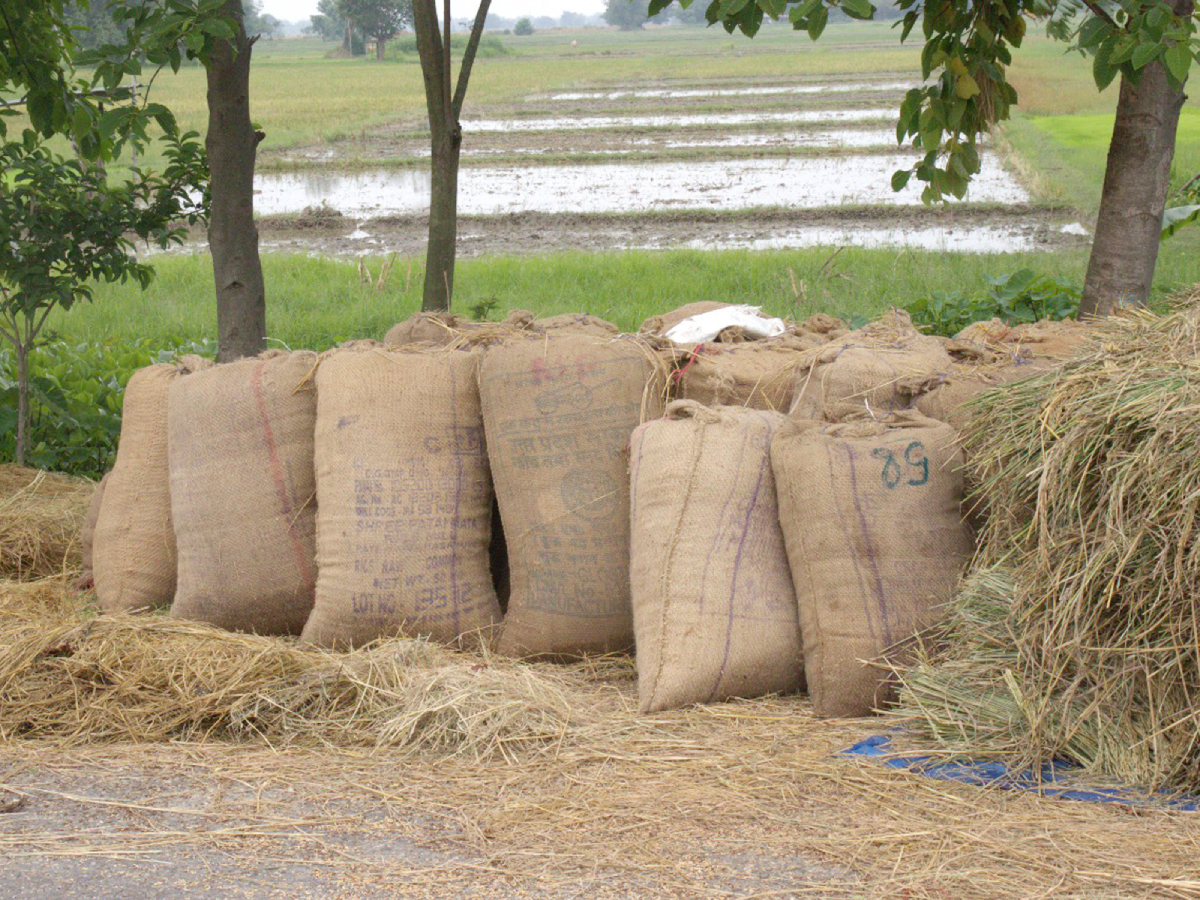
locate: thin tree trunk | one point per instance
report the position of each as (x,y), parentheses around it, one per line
(22,403)
(232,145)
(444,106)
(1136,182)
(443,224)
(348,39)
(380,48)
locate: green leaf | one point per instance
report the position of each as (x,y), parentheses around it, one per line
(966,87)
(900,179)
(817,22)
(1145,54)
(1092,32)
(1179,217)
(1177,60)
(1102,71)
(858,9)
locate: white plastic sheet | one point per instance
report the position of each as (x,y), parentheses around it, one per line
(707,326)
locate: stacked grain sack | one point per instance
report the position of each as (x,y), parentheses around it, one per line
(870,500)
(559,409)
(134,555)
(989,354)
(404,497)
(714,608)
(870,510)
(240,441)
(733,369)
(880,368)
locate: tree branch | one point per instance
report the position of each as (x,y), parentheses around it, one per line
(464,71)
(429,47)
(1097,10)
(451,120)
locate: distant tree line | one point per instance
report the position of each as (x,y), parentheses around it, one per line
(93,24)
(354,22)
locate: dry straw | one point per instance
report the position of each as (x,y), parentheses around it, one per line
(65,675)
(40,518)
(1090,648)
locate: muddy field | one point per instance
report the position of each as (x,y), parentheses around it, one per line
(714,164)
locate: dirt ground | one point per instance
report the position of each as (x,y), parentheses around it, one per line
(746,800)
(331,234)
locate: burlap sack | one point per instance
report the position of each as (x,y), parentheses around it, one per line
(870,515)
(558,411)
(878,369)
(404,499)
(242,492)
(756,374)
(713,605)
(133,549)
(441,329)
(87,534)
(578,322)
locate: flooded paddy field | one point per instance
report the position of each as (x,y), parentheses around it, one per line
(684,163)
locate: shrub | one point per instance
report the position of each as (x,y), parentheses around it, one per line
(523,28)
(76,395)
(1016,298)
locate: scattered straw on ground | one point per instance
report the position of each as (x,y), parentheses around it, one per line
(68,675)
(40,518)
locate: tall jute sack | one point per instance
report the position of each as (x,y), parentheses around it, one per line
(878,369)
(242,493)
(404,499)
(713,605)
(876,543)
(558,413)
(133,548)
(87,533)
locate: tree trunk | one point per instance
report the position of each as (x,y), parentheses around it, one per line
(380,48)
(443,222)
(1125,249)
(348,39)
(232,145)
(22,403)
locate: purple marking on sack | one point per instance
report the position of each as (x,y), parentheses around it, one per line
(737,562)
(721,519)
(871,556)
(846,529)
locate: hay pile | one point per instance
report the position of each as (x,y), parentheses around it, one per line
(40,518)
(67,676)
(1078,636)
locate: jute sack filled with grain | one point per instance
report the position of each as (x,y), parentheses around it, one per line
(446,329)
(878,369)
(577,322)
(558,411)
(757,374)
(871,516)
(404,499)
(242,493)
(133,548)
(713,605)
(87,533)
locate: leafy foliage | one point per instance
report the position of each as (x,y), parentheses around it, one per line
(76,395)
(523,28)
(1186,211)
(1017,298)
(629,15)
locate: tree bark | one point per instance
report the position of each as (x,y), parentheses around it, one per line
(348,38)
(1136,182)
(444,108)
(232,145)
(380,48)
(443,223)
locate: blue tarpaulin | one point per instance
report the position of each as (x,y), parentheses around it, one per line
(1056,779)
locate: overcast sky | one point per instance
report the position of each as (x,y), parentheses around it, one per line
(299,10)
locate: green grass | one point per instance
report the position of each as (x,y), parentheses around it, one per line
(317,303)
